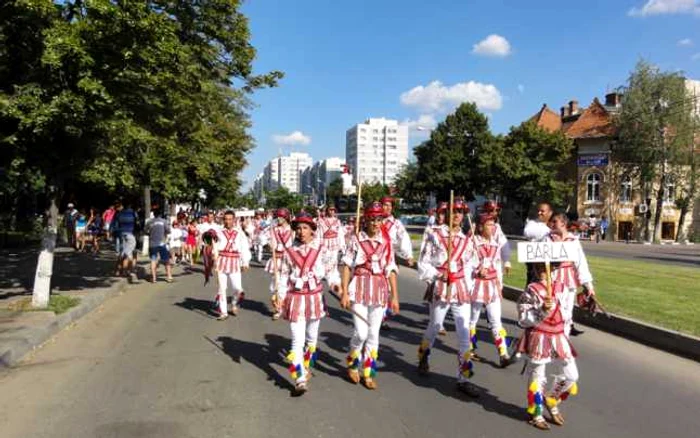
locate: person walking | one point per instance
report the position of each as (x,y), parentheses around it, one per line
(302,271)
(231,256)
(445,263)
(125,221)
(107,217)
(370,263)
(540,313)
(157,230)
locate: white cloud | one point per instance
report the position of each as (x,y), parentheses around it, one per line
(294,138)
(687,42)
(695,57)
(666,7)
(436,97)
(492,45)
(521,88)
(421,126)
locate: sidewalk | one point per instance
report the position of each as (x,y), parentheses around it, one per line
(89,277)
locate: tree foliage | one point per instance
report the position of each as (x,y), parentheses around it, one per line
(126,95)
(458,155)
(282,197)
(655,131)
(531,166)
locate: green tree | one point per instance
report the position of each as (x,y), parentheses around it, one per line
(408,185)
(126,95)
(655,131)
(373,192)
(282,197)
(530,164)
(458,156)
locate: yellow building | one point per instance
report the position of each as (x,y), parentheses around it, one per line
(603,188)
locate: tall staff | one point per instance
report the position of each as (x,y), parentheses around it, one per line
(359,203)
(449,245)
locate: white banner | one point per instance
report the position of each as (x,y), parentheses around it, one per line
(533,252)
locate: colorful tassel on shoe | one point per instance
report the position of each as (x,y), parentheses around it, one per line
(423,350)
(502,342)
(353,360)
(466,366)
(296,370)
(535,400)
(370,365)
(553,400)
(310,357)
(472,337)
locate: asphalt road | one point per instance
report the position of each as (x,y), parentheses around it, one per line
(153,363)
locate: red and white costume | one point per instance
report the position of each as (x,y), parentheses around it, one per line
(400,240)
(432,266)
(301,275)
(371,261)
(487,291)
(545,340)
(571,275)
(332,232)
(231,252)
(280,237)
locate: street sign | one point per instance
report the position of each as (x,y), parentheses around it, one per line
(533,252)
(593,160)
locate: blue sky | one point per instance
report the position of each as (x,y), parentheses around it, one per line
(416,60)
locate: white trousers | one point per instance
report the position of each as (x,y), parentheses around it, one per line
(567,308)
(461,313)
(304,336)
(493,310)
(365,339)
(561,384)
(235,279)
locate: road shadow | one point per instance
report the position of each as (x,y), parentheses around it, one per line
(446,385)
(72,270)
(203,307)
(262,356)
(255,306)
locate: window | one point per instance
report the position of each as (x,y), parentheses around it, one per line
(374,131)
(593,187)
(626,189)
(669,190)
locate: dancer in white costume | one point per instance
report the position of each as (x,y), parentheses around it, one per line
(369,260)
(302,270)
(451,291)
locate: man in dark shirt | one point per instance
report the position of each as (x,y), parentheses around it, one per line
(125,221)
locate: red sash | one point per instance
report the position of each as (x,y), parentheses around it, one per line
(305,263)
(554,323)
(488,251)
(370,250)
(230,248)
(458,250)
(279,237)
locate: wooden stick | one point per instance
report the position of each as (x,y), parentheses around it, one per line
(359,206)
(449,245)
(349,310)
(274,267)
(548,269)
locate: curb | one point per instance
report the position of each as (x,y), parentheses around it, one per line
(670,341)
(28,339)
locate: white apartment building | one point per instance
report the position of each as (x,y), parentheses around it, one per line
(285,171)
(317,178)
(377,149)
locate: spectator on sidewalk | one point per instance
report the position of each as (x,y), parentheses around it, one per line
(126,222)
(175,241)
(80,231)
(94,229)
(158,230)
(604,224)
(69,223)
(107,218)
